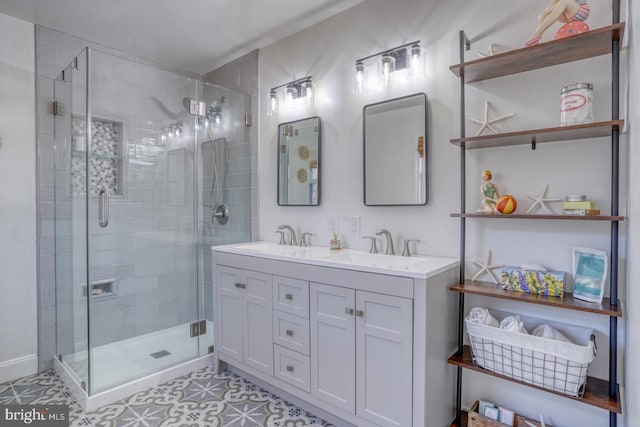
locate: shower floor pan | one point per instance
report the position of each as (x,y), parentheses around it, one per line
(123,368)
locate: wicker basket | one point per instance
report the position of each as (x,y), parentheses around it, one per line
(550,364)
(478,420)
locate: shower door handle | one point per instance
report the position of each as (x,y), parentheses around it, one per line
(103,207)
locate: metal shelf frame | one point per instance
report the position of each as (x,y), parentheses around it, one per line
(464,45)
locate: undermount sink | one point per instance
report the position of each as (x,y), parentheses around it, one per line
(373,260)
(344,258)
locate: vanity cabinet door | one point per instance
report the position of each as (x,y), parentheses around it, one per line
(258,336)
(384,355)
(230,307)
(245,317)
(333,349)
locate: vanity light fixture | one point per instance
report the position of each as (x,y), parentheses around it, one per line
(409,57)
(293,92)
(417,64)
(360,78)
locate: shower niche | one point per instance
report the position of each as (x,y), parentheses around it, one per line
(134,203)
(106,156)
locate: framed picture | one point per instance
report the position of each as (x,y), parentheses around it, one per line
(590,268)
(492,413)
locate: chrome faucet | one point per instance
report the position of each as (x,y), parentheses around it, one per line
(373,249)
(389,250)
(303,239)
(292,234)
(406,251)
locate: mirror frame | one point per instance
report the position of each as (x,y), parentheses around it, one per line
(319,189)
(426,149)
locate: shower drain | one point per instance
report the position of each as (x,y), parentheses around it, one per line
(159,354)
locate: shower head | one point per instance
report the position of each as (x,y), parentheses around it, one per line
(197,108)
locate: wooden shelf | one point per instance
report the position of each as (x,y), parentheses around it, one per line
(463,420)
(596,393)
(526,216)
(528,137)
(586,45)
(566,302)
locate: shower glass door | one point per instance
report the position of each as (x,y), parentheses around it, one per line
(224,176)
(70,171)
(141,196)
(141,178)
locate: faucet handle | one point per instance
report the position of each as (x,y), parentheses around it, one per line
(303,239)
(282,239)
(374,248)
(406,251)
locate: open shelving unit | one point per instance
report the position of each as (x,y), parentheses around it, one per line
(599,393)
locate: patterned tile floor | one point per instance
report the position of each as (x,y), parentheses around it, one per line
(201,398)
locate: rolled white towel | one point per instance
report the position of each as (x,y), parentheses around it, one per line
(546,331)
(482,316)
(513,324)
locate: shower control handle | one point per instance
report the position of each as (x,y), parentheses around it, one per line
(103,207)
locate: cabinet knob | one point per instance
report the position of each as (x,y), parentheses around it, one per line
(289,332)
(289,368)
(241,286)
(348,311)
(359,313)
(288,297)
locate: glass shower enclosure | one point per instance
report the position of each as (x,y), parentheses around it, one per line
(151,169)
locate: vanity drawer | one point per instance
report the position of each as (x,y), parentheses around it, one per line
(291,331)
(291,296)
(292,367)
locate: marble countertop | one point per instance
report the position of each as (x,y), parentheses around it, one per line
(419,267)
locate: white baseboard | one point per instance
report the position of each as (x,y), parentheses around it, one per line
(16,368)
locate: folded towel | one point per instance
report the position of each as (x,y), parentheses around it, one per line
(513,324)
(482,316)
(546,331)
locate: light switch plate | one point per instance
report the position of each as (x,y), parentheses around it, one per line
(333,226)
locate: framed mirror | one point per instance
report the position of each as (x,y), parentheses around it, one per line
(299,162)
(395,152)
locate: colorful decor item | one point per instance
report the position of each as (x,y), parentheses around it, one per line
(507,204)
(572,13)
(549,283)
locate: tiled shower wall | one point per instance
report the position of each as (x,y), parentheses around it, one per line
(242,75)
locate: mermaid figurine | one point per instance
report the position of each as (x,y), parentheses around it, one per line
(572,13)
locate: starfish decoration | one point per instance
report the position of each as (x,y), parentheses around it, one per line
(492,51)
(540,200)
(486,267)
(487,122)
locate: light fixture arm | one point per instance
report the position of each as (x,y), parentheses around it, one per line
(386,51)
(294,82)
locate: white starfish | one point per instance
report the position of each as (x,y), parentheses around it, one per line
(540,200)
(492,51)
(486,123)
(486,267)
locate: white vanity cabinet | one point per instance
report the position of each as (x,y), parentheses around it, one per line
(245,307)
(366,336)
(354,345)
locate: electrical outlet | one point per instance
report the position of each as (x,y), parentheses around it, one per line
(353,226)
